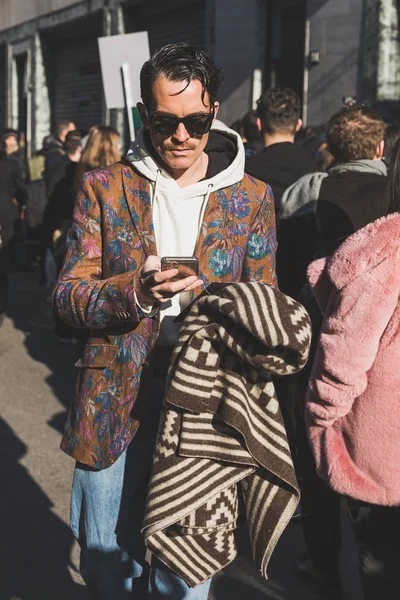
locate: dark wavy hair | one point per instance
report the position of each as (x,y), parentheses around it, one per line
(250,128)
(180,62)
(279,110)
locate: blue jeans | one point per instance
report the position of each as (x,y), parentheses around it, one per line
(107,510)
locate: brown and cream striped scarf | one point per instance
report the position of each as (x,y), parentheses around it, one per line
(221,432)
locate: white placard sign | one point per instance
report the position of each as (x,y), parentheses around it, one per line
(115,50)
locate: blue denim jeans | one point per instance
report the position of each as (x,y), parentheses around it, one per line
(107,510)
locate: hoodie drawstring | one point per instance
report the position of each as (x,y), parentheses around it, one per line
(203,209)
(155,187)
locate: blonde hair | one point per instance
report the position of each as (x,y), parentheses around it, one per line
(102,149)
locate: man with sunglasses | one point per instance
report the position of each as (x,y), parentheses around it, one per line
(180,192)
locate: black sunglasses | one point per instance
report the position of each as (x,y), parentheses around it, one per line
(197,124)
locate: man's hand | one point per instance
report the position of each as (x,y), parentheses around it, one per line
(154,286)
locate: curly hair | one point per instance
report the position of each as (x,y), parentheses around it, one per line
(279,110)
(354,133)
(180,62)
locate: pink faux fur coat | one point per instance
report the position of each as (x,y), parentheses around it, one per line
(353,401)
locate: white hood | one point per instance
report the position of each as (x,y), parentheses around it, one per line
(142,160)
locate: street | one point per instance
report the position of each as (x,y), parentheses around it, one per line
(38,558)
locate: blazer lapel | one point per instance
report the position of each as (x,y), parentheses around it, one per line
(211,209)
(138,197)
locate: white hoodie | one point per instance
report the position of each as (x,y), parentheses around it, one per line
(178,212)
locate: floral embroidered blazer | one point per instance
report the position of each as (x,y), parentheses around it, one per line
(111,236)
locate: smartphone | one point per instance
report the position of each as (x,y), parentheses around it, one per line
(186,265)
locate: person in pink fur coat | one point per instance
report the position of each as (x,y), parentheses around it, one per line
(353,399)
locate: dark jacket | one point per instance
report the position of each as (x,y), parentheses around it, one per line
(12,187)
(60,207)
(251,148)
(56,173)
(54,154)
(346,202)
(280,165)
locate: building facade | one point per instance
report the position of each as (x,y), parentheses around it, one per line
(50,66)
(324,49)
(344,49)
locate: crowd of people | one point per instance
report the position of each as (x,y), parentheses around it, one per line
(38,198)
(191,187)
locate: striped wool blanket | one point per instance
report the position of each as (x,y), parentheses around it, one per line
(221,433)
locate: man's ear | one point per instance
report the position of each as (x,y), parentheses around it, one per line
(380,150)
(216,109)
(299,125)
(259,125)
(143,114)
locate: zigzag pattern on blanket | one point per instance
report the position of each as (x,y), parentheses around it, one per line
(221,430)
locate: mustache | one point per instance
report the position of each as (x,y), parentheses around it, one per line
(179,147)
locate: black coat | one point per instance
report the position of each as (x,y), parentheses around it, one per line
(280,165)
(347,201)
(53,155)
(56,173)
(12,187)
(60,207)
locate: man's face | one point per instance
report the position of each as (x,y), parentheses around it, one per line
(180,150)
(11,144)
